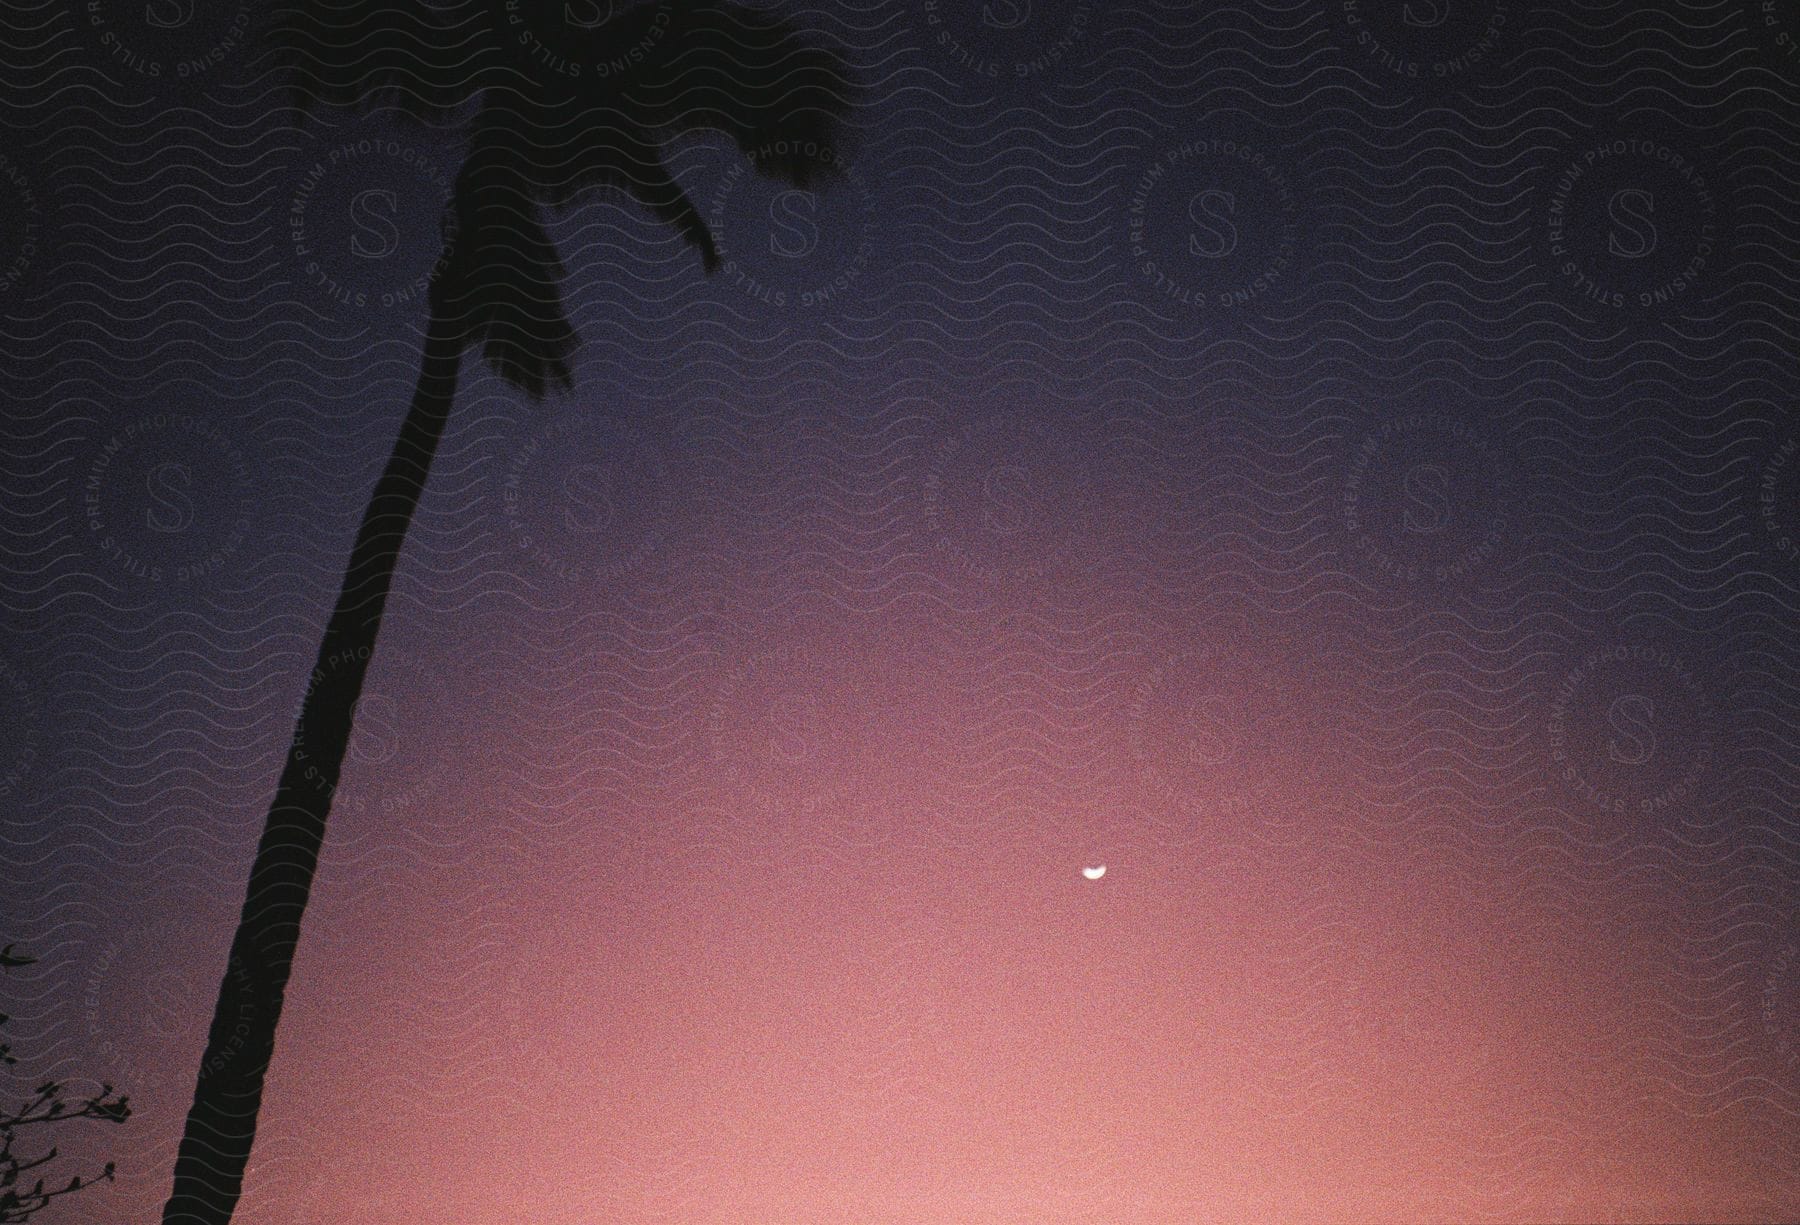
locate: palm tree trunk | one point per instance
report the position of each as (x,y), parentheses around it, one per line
(209,1168)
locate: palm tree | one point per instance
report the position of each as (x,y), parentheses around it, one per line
(549,105)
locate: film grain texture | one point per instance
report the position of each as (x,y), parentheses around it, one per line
(1334,463)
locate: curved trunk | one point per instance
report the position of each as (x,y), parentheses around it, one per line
(221,1125)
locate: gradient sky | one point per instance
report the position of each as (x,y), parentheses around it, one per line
(1338,469)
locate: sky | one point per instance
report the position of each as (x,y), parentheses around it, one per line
(1333,464)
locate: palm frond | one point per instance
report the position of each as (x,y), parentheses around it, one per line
(654,72)
(778,92)
(500,285)
(678,67)
(424,61)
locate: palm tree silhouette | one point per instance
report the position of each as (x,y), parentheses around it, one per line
(552,98)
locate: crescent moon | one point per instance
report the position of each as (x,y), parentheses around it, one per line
(1094,873)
